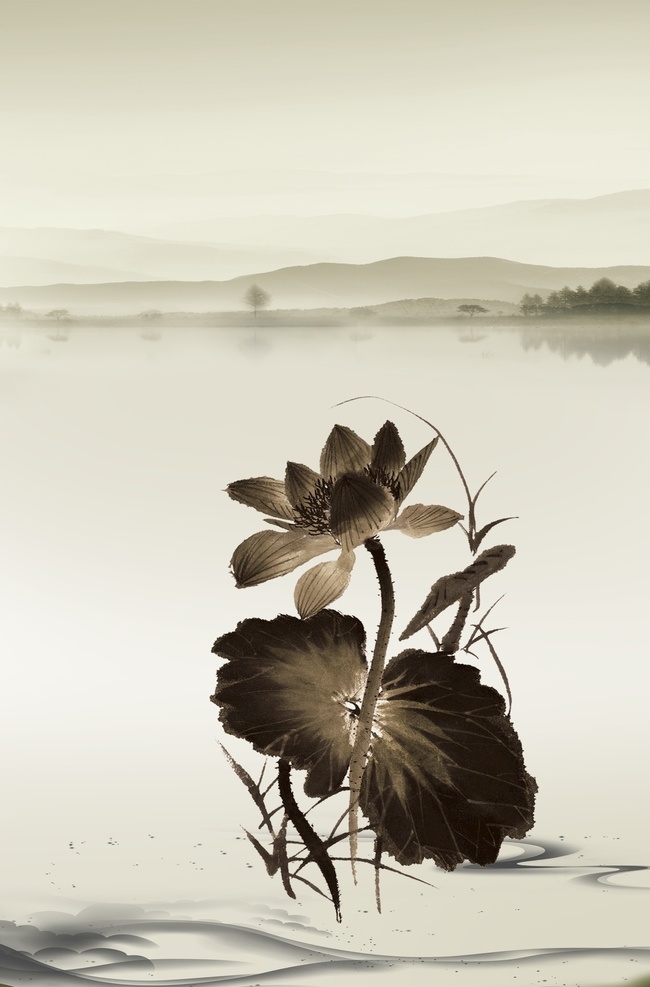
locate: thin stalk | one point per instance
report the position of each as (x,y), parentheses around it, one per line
(378,852)
(393,870)
(309,836)
(479,627)
(297,877)
(373,686)
(283,859)
(499,664)
(451,641)
(256,795)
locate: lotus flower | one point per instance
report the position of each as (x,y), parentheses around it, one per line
(358,492)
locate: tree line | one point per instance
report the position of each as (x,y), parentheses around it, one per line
(603,293)
(11,311)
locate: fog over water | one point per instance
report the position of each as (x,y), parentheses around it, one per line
(116,539)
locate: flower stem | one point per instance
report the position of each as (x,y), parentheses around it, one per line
(451,641)
(373,685)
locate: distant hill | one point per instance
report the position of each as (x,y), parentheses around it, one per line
(602,231)
(326,286)
(49,255)
(37,271)
(433,308)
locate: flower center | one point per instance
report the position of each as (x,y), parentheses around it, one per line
(313,512)
(384,478)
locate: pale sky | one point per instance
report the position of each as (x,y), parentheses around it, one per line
(492,100)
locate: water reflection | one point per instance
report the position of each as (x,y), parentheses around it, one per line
(116,540)
(603,345)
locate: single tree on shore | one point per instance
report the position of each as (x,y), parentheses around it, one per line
(472,310)
(257,298)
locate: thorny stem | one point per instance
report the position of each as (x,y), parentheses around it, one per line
(473,538)
(373,685)
(378,852)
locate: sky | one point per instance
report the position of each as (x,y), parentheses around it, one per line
(116,113)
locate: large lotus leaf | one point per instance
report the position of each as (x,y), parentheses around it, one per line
(289,689)
(445,777)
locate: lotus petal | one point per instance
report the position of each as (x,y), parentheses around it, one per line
(412,472)
(264,494)
(445,778)
(285,687)
(344,452)
(359,509)
(320,586)
(269,554)
(299,482)
(420,520)
(388,454)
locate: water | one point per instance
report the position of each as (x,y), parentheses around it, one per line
(123,819)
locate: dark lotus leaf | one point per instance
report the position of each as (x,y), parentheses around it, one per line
(285,686)
(445,778)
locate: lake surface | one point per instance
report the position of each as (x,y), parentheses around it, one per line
(123,855)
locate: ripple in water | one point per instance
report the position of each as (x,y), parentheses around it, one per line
(133,945)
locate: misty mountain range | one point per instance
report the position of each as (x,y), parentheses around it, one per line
(50,256)
(332,261)
(326,286)
(604,231)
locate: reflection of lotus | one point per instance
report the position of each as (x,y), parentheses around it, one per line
(445,777)
(358,492)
